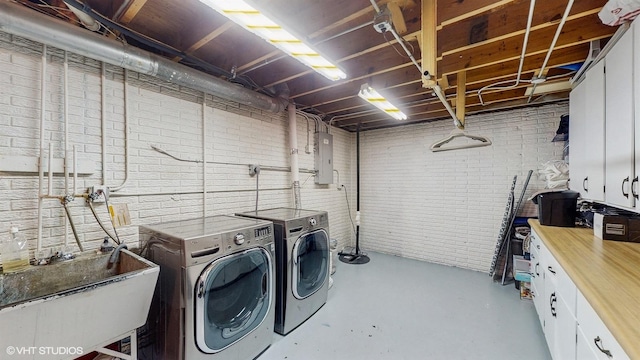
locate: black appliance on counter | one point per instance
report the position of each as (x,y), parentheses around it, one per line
(557,208)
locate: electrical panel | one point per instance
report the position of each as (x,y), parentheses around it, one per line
(323,158)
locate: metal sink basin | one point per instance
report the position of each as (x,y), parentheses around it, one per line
(75,305)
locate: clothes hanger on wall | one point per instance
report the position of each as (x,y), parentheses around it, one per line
(458,120)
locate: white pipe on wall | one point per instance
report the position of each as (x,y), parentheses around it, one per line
(293,144)
(50,170)
(65,114)
(75,169)
(204,155)
(43,84)
(103,121)
(126,134)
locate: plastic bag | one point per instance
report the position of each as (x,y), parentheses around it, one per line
(555,173)
(615,12)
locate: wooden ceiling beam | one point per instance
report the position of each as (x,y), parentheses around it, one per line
(578,31)
(416,108)
(428,43)
(263,59)
(331,100)
(507,22)
(460,96)
(132,10)
(368,11)
(210,36)
(452,11)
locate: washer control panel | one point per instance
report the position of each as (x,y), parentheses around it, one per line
(239,239)
(248,237)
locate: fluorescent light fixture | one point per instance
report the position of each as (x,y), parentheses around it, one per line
(253,20)
(372,96)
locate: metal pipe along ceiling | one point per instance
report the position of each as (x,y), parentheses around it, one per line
(18,20)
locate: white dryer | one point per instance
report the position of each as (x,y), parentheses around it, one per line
(215,294)
(302,263)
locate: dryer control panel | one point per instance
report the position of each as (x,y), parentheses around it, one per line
(249,237)
(296,226)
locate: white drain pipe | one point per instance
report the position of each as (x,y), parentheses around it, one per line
(67,164)
(293,144)
(86,20)
(43,99)
(204,155)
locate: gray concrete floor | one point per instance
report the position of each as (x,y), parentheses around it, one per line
(395,308)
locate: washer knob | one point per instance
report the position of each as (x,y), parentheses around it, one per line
(238,239)
(312,221)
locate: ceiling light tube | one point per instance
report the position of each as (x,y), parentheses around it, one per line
(258,23)
(373,97)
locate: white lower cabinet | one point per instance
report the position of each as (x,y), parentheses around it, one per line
(554,300)
(560,309)
(597,339)
(537,278)
(565,332)
(572,329)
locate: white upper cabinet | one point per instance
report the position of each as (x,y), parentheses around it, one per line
(635,28)
(594,151)
(619,133)
(577,140)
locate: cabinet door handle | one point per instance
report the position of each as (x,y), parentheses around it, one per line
(634,186)
(537,273)
(604,351)
(585,180)
(626,180)
(552,301)
(551,270)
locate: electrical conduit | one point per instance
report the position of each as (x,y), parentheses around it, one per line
(43,85)
(66,140)
(126,135)
(204,155)
(293,144)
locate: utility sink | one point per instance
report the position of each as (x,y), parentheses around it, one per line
(65,309)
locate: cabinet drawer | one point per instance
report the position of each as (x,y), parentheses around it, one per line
(565,287)
(596,334)
(536,243)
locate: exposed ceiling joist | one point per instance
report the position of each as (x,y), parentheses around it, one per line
(482,38)
(132,11)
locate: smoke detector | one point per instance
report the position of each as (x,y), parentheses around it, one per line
(382,20)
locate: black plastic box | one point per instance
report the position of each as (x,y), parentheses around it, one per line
(557,208)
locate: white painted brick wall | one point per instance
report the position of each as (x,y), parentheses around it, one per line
(158,188)
(440,207)
(447,207)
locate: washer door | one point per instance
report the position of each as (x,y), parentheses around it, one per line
(310,263)
(232,298)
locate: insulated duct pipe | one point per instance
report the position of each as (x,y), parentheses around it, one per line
(293,144)
(18,20)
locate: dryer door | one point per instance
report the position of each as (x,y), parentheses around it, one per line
(232,298)
(310,263)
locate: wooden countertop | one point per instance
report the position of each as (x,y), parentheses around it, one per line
(606,272)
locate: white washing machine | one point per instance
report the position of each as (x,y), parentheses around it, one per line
(302,263)
(215,295)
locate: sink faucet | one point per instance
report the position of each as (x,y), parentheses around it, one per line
(115,255)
